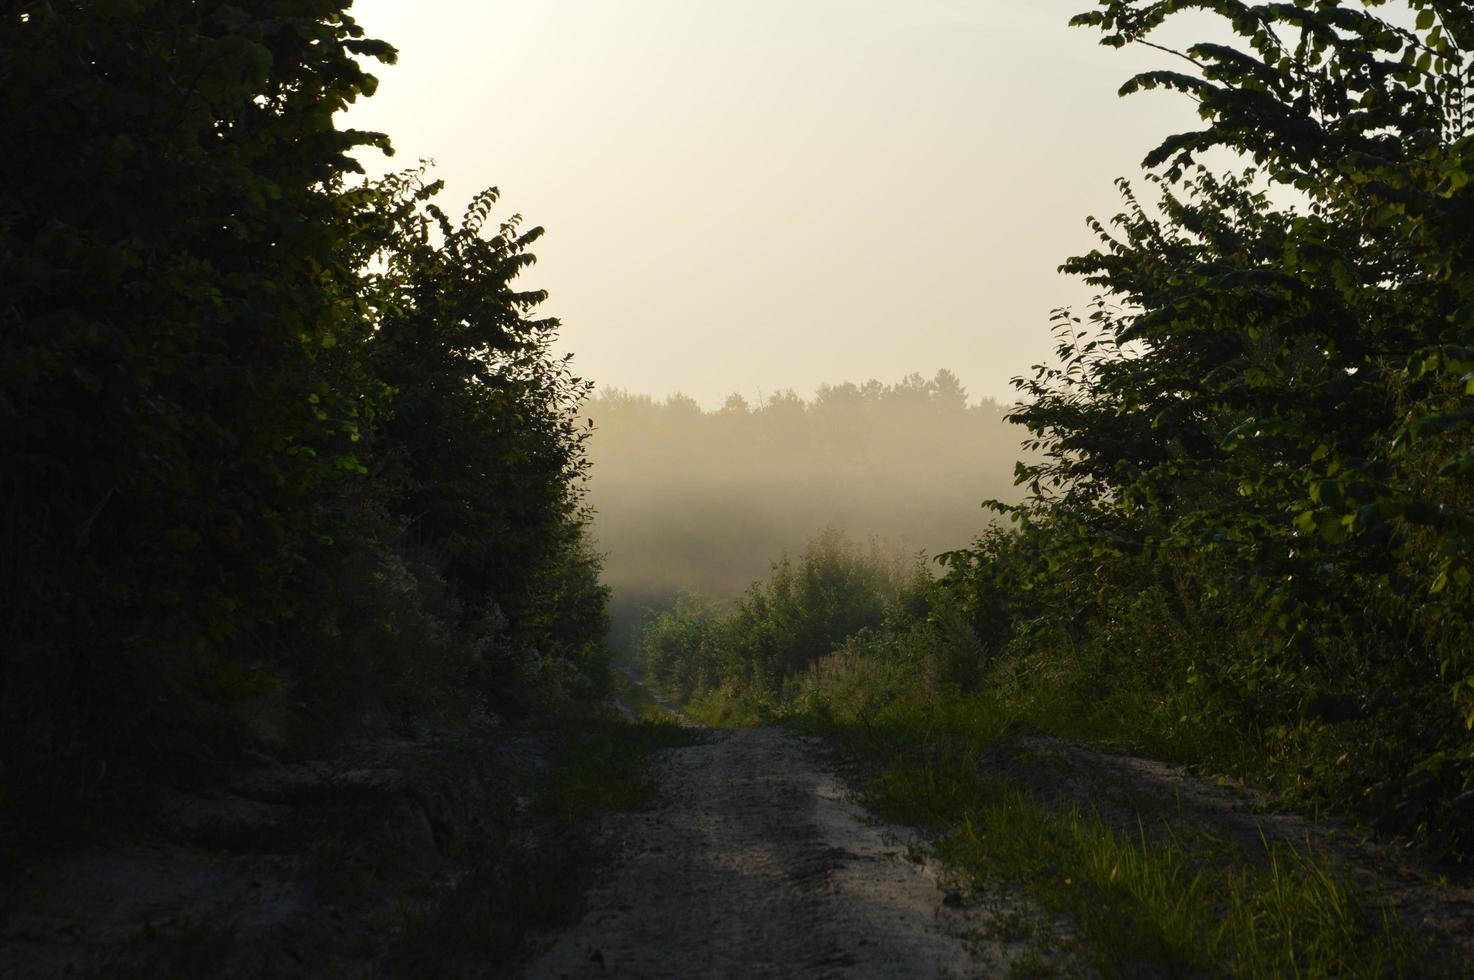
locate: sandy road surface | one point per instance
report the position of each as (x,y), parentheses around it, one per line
(756,865)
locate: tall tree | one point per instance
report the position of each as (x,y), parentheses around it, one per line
(1285,388)
(171,230)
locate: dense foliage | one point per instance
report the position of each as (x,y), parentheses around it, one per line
(1248,533)
(276,443)
(1268,418)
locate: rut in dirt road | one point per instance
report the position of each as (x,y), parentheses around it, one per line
(756,865)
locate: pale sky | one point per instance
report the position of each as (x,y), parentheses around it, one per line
(778,194)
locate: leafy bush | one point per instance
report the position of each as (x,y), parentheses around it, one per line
(781,627)
(1261,421)
(277,444)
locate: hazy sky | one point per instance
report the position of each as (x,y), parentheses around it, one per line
(778,193)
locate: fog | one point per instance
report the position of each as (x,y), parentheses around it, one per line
(704,501)
(715,171)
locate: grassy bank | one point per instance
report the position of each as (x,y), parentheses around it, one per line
(947,716)
(1133,884)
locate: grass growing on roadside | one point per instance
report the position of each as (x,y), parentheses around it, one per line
(1134,901)
(1166,907)
(1140,903)
(944,682)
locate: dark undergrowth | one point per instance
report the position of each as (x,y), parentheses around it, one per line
(511,893)
(517,842)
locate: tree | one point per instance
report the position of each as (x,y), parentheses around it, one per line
(171,233)
(263,434)
(1273,400)
(480,448)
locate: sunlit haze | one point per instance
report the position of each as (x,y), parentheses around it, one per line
(770,195)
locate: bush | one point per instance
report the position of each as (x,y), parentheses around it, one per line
(276,444)
(782,626)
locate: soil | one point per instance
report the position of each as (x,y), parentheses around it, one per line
(758,864)
(285,869)
(756,861)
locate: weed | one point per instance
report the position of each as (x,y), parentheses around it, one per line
(1143,905)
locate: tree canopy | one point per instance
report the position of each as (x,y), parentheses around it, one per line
(276,441)
(1273,399)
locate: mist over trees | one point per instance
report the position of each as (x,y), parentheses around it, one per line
(706,500)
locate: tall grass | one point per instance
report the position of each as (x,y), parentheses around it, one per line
(1164,907)
(1153,902)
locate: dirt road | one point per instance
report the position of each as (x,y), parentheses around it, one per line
(755,864)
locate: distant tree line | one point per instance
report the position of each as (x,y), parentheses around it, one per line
(704,500)
(277,444)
